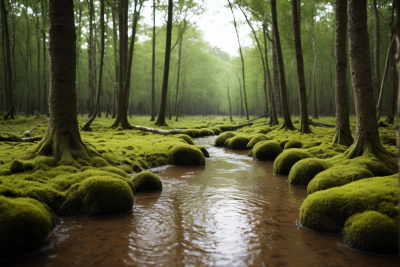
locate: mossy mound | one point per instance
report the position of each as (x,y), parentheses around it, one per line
(373,232)
(220,140)
(370,163)
(146,181)
(100,195)
(185,137)
(24,225)
(285,161)
(225,128)
(190,133)
(206,132)
(256,139)
(338,176)
(238,143)
(18,166)
(203,150)
(197,132)
(186,155)
(293,144)
(328,210)
(216,130)
(267,150)
(306,169)
(283,143)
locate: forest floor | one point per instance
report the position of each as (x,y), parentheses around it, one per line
(41,189)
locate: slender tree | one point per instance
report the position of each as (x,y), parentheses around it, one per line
(161,116)
(11,111)
(314,69)
(377,49)
(285,107)
(342,130)
(153,66)
(241,57)
(230,106)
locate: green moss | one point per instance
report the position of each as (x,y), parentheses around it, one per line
(220,140)
(18,166)
(372,231)
(238,143)
(190,133)
(197,132)
(100,195)
(256,139)
(24,225)
(146,181)
(293,144)
(206,132)
(338,176)
(203,150)
(267,150)
(283,143)
(306,169)
(225,128)
(328,210)
(216,130)
(185,137)
(285,161)
(186,155)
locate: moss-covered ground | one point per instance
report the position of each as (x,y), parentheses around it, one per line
(87,187)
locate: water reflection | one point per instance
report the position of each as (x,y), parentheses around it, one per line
(233,212)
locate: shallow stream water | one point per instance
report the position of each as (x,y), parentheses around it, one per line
(233,212)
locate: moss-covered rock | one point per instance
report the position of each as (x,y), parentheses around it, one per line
(238,143)
(100,195)
(372,231)
(24,225)
(285,161)
(186,155)
(306,169)
(220,140)
(283,143)
(328,210)
(267,150)
(146,181)
(190,133)
(203,150)
(216,130)
(337,176)
(18,166)
(206,132)
(197,132)
(256,139)
(185,137)
(293,144)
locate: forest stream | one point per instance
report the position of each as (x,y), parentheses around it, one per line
(233,212)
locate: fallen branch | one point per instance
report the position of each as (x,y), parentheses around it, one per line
(235,127)
(313,123)
(158,131)
(6,137)
(31,130)
(263,116)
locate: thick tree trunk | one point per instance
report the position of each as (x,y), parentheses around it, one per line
(11,111)
(342,131)
(285,107)
(377,49)
(39,86)
(62,139)
(161,116)
(153,66)
(276,77)
(242,60)
(367,135)
(304,127)
(86,127)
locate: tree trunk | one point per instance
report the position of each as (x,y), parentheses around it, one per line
(86,127)
(367,135)
(46,103)
(285,107)
(276,76)
(90,59)
(377,49)
(393,98)
(241,57)
(314,70)
(153,65)
(304,127)
(117,65)
(230,106)
(161,116)
(342,130)
(11,111)
(179,72)
(39,86)
(241,97)
(62,139)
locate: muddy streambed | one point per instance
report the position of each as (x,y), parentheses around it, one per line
(233,212)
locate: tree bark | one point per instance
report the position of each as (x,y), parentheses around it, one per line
(367,135)
(11,111)
(46,104)
(377,49)
(116,83)
(161,116)
(394,85)
(241,57)
(314,69)
(179,70)
(304,127)
(285,107)
(230,106)
(276,76)
(153,66)
(342,130)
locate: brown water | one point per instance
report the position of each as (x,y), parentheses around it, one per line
(233,212)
